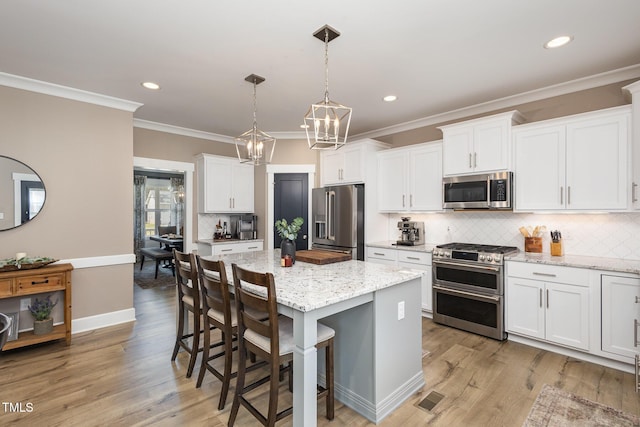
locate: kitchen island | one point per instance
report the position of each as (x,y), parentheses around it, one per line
(375,311)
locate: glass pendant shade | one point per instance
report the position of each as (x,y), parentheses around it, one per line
(254,146)
(327,122)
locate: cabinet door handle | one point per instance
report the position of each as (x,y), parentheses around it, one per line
(475,160)
(229,202)
(561,194)
(378,253)
(41,282)
(540,297)
(413,257)
(410,200)
(568,195)
(535,273)
(403,200)
(252,247)
(226,250)
(547,298)
(633,192)
(635,332)
(470,161)
(234,202)
(637,299)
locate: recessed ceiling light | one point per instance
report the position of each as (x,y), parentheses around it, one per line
(151,85)
(557,42)
(389,98)
(304,126)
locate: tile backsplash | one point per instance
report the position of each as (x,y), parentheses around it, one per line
(207,224)
(613,235)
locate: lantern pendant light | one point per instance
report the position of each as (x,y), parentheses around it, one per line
(326,122)
(255,146)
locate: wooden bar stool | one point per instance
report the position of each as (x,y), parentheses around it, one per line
(188,301)
(272,340)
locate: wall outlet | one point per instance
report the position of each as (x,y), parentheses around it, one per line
(401,310)
(25,303)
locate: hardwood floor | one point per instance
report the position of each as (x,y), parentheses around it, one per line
(123,375)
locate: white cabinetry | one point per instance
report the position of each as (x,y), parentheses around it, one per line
(224,185)
(479,145)
(574,163)
(416,260)
(634,90)
(208,249)
(347,165)
(620,315)
(410,179)
(548,303)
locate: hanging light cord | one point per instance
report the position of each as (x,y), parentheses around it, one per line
(326,65)
(255,109)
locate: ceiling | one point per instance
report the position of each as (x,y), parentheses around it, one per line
(435,56)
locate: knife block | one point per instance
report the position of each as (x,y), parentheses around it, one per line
(533,244)
(556,248)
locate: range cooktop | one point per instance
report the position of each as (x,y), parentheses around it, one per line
(471,252)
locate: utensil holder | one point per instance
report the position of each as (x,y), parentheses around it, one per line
(533,244)
(556,248)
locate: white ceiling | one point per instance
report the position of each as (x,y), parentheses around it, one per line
(435,55)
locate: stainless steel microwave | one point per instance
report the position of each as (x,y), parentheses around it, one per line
(482,191)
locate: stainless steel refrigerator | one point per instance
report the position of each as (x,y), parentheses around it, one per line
(338,219)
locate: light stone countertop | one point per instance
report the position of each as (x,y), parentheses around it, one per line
(226,241)
(593,263)
(307,287)
(391,244)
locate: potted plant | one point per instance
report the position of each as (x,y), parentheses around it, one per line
(288,233)
(41,312)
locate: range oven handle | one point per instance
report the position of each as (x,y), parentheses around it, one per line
(467,294)
(466,266)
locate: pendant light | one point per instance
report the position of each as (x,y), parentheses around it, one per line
(327,122)
(255,146)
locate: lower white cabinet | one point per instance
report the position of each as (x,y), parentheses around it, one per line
(416,260)
(549,303)
(207,249)
(620,315)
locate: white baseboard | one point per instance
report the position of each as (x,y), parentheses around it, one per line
(102,320)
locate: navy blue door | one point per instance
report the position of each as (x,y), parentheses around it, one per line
(291,200)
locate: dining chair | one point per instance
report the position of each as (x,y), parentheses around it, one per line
(271,340)
(188,302)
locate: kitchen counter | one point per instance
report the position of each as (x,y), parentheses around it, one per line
(391,244)
(594,263)
(375,311)
(226,241)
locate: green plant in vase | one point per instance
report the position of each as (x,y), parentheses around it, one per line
(288,232)
(41,312)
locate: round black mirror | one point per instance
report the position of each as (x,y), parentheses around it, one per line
(22,193)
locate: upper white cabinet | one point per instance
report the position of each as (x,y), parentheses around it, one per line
(573,163)
(224,185)
(347,165)
(410,179)
(634,90)
(620,315)
(479,145)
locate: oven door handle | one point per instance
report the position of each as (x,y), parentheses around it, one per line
(468,294)
(466,266)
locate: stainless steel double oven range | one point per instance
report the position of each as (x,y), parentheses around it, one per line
(468,287)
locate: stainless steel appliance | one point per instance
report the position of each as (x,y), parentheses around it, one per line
(411,232)
(338,219)
(493,191)
(244,227)
(468,287)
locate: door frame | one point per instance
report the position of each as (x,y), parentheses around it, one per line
(180,167)
(272,170)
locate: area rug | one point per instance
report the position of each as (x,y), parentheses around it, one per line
(558,408)
(145,277)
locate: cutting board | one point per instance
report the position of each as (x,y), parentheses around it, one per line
(315,256)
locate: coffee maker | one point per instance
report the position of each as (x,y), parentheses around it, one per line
(244,227)
(411,232)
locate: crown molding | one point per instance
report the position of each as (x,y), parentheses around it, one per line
(46,88)
(177,130)
(584,83)
(289,135)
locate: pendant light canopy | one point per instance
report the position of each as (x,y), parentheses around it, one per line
(327,122)
(255,146)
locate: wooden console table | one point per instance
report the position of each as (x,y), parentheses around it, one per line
(52,278)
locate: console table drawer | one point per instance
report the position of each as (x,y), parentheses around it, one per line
(5,288)
(39,283)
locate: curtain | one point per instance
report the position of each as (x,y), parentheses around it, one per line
(139,219)
(177,206)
